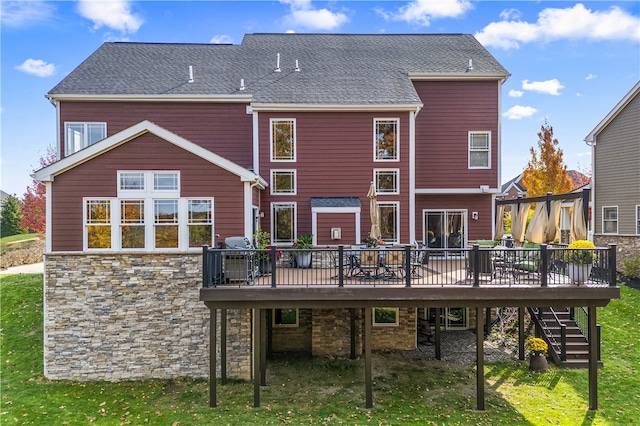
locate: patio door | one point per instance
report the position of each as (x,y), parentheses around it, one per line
(445,229)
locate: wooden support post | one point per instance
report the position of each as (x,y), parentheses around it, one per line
(593,359)
(438,334)
(487,322)
(352,327)
(223,346)
(212,356)
(263,347)
(521,333)
(368,382)
(257,328)
(479,361)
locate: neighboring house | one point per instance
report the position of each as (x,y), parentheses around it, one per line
(166,147)
(615,148)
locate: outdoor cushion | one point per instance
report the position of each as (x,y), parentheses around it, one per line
(486,243)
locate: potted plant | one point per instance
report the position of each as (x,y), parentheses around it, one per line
(302,250)
(537,354)
(262,241)
(580,256)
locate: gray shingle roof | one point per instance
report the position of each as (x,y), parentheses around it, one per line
(341,69)
(335,202)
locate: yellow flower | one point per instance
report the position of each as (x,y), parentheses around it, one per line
(580,251)
(536,346)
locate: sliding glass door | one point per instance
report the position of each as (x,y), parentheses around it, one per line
(445,229)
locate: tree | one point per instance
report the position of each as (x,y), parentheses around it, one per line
(546,171)
(10,217)
(34,203)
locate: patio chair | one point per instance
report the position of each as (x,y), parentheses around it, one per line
(419,259)
(484,267)
(348,262)
(394,264)
(369,264)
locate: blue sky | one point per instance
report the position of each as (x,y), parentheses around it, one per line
(570,62)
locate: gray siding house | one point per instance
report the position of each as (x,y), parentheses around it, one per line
(615,144)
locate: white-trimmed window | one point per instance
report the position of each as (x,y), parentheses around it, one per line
(389,216)
(386,145)
(284,317)
(283,182)
(97,223)
(79,135)
(283,223)
(386,181)
(385,317)
(610,220)
(148,215)
(479,150)
(283,139)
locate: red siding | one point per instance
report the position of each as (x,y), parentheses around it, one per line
(225,129)
(98,178)
(344,221)
(451,110)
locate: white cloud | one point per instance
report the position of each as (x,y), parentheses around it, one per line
(114,14)
(303,14)
(516,93)
(37,67)
(549,87)
(221,39)
(21,13)
(422,12)
(517,112)
(575,23)
(590,77)
(507,14)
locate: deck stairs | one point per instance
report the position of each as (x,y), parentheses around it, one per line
(551,321)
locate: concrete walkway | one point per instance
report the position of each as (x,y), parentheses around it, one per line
(35,268)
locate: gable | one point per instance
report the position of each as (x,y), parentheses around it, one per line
(49,173)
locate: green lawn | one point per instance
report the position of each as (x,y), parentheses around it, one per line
(16,240)
(319,391)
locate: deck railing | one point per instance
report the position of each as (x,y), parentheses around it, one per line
(404,266)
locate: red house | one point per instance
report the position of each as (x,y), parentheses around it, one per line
(163,148)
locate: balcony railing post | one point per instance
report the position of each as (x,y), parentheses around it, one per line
(476,265)
(407,265)
(274,261)
(545,265)
(613,276)
(340,266)
(205,266)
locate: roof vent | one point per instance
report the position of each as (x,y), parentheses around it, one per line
(242,86)
(277,63)
(191,74)
(470,66)
(297,66)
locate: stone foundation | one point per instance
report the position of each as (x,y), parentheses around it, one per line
(626,245)
(133,316)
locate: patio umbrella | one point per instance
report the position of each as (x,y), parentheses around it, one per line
(373,208)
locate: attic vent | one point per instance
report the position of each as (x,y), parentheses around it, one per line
(191,74)
(242,86)
(277,63)
(470,66)
(297,66)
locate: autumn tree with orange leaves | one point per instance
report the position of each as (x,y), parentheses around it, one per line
(33,204)
(546,171)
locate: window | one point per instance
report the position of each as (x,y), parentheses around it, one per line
(98,224)
(283,140)
(385,316)
(386,181)
(451,318)
(389,223)
(385,140)
(200,222)
(132,230)
(283,217)
(283,182)
(148,214)
(610,220)
(80,135)
(479,150)
(285,317)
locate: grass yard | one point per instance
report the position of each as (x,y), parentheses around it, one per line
(305,390)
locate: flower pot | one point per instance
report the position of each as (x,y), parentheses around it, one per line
(264,266)
(538,363)
(303,260)
(579,272)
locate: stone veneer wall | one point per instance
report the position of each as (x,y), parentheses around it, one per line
(626,245)
(133,316)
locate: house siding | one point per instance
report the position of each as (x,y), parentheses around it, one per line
(345,221)
(223,128)
(451,110)
(133,316)
(617,168)
(98,178)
